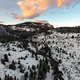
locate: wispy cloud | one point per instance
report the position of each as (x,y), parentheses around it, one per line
(2,22)
(52,12)
(34,8)
(78,22)
(41,21)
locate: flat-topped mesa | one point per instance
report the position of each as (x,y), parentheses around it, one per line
(35,24)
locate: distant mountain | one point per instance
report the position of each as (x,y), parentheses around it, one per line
(31,26)
(23,30)
(75,29)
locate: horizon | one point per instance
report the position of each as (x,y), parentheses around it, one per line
(59,13)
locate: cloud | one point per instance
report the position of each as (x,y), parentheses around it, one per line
(2,22)
(41,21)
(34,8)
(52,12)
(78,22)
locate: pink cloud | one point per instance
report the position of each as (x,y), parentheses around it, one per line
(17,17)
(41,21)
(33,8)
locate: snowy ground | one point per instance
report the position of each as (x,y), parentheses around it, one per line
(14,55)
(67,49)
(63,47)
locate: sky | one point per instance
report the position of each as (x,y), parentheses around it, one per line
(59,13)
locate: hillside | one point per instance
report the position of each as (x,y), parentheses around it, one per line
(22,30)
(50,55)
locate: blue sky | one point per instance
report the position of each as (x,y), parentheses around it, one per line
(56,12)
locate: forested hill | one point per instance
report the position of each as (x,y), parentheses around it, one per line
(23,30)
(75,29)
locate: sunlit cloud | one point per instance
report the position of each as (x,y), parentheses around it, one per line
(34,8)
(60,2)
(41,21)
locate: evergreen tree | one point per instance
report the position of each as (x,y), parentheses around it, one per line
(15,78)
(41,75)
(0,78)
(10,78)
(3,61)
(35,73)
(12,66)
(9,54)
(21,70)
(19,62)
(33,67)
(32,55)
(26,76)
(6,57)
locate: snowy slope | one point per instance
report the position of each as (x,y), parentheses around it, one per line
(63,47)
(67,49)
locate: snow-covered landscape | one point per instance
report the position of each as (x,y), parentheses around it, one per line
(51,56)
